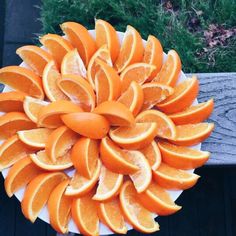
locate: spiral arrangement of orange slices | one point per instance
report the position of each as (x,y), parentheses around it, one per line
(112,114)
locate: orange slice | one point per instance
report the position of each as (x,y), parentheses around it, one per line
(154,93)
(11,101)
(152,154)
(110,214)
(182,157)
(73,64)
(135,137)
(50,78)
(192,134)
(80,39)
(57,46)
(37,193)
(132,98)
(131,49)
(42,160)
(20,174)
(116,113)
(35,57)
(78,90)
(103,54)
(140,218)
(153,55)
(107,82)
(172,178)
(12,150)
(32,107)
(138,72)
(170,70)
(106,34)
(165,126)
(183,96)
(84,155)
(108,186)
(84,214)
(193,114)
(50,116)
(60,142)
(59,207)
(88,124)
(35,137)
(114,158)
(12,122)
(80,186)
(156,199)
(23,80)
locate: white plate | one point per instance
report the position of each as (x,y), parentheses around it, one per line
(103,230)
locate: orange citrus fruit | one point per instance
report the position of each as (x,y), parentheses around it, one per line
(35,57)
(170,70)
(23,80)
(131,50)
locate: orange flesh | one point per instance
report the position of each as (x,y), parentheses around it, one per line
(37,135)
(148,52)
(64,210)
(150,154)
(35,108)
(92,155)
(127,97)
(43,157)
(101,38)
(189,130)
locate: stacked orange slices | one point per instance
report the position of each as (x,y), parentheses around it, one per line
(113,114)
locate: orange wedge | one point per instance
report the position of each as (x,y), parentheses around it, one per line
(12,122)
(12,150)
(153,55)
(116,113)
(80,186)
(37,193)
(35,57)
(183,96)
(138,72)
(84,155)
(132,98)
(23,80)
(80,39)
(172,178)
(141,178)
(57,46)
(51,76)
(154,93)
(114,158)
(110,214)
(193,114)
(182,157)
(138,216)
(20,174)
(108,186)
(88,124)
(156,199)
(106,34)
(42,160)
(170,70)
(152,154)
(165,126)
(192,134)
(59,207)
(135,137)
(60,142)
(73,64)
(103,54)
(50,116)
(35,137)
(131,49)
(78,90)
(11,101)
(84,214)
(32,107)
(107,82)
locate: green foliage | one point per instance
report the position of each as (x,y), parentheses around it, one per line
(171,26)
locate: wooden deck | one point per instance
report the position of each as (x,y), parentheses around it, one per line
(209,209)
